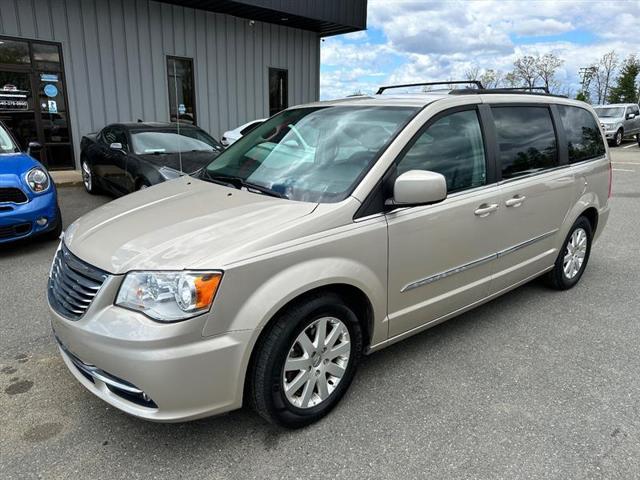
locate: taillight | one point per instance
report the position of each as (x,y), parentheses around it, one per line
(610,179)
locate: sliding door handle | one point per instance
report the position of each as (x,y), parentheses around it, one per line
(486,209)
(516,201)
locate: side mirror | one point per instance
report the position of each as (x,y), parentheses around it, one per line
(631,116)
(117,146)
(34,147)
(418,187)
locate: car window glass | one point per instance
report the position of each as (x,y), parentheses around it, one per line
(453,147)
(526,140)
(172,141)
(315,154)
(584,139)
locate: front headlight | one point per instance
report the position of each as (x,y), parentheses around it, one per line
(169,296)
(38,180)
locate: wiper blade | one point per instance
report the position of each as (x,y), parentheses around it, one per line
(265,190)
(238,182)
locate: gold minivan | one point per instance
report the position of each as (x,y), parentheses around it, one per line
(332,230)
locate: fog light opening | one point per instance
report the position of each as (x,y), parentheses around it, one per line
(42,221)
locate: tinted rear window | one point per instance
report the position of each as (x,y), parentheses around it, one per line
(526,140)
(584,140)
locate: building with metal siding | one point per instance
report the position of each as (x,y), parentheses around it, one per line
(116,62)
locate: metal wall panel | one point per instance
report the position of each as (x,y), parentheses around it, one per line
(115,59)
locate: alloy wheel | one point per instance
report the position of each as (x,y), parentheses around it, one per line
(316,362)
(575,253)
(86,176)
(618,138)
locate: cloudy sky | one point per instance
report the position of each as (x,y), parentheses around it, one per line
(420,40)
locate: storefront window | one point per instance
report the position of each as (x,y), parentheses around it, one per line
(13,52)
(182,98)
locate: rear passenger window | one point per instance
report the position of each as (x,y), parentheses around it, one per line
(526,140)
(584,139)
(452,146)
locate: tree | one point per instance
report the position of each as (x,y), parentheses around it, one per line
(525,70)
(547,66)
(511,80)
(491,78)
(584,96)
(626,90)
(604,71)
(472,73)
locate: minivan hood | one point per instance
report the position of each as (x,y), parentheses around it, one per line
(180,224)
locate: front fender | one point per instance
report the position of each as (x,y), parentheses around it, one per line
(286,285)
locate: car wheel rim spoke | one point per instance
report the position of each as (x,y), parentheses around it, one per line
(86,175)
(316,362)
(575,253)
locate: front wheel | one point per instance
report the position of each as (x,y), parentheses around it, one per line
(573,257)
(89,178)
(306,361)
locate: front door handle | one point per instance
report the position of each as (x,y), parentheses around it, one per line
(516,201)
(486,209)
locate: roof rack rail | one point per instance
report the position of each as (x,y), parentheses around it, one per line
(477,83)
(519,90)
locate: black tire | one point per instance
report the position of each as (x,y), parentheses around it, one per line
(557,278)
(617,139)
(638,139)
(89,178)
(54,234)
(265,378)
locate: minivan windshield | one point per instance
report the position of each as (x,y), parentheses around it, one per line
(172,141)
(610,112)
(314,154)
(6,143)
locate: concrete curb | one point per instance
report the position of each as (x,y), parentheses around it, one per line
(67,178)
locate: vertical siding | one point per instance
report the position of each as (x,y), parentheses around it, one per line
(115,59)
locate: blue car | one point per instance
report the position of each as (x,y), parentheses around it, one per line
(28,197)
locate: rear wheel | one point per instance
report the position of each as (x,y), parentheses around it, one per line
(306,361)
(617,139)
(573,257)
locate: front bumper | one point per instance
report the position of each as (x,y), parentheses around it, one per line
(18,221)
(159,372)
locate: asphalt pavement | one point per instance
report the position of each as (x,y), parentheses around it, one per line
(536,384)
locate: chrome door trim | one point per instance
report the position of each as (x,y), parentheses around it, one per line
(475,263)
(439,276)
(526,243)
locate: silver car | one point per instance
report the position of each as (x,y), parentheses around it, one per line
(327,233)
(619,121)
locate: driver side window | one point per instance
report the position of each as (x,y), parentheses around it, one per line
(453,147)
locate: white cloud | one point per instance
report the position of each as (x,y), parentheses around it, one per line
(439,40)
(541,27)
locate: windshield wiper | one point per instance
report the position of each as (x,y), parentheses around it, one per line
(238,182)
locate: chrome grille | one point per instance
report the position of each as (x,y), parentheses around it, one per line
(73,284)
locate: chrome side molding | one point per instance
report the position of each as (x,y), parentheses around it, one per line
(475,263)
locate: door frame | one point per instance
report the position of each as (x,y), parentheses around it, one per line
(33,72)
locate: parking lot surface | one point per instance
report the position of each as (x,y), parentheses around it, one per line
(536,384)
